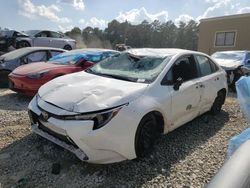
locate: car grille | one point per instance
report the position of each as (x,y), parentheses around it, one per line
(34,118)
(56,135)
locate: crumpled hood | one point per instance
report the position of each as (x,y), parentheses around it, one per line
(85,92)
(229,64)
(35,67)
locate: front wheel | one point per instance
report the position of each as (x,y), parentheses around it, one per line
(145,136)
(218,102)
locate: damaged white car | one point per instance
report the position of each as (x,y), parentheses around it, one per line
(235,63)
(115,110)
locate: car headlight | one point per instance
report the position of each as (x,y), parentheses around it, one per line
(38,74)
(100,118)
(37,98)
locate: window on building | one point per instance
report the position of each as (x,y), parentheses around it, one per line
(225,38)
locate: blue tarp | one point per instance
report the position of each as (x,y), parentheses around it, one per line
(243,93)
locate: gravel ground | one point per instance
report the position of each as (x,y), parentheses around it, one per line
(187,157)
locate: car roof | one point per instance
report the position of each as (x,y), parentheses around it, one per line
(157,51)
(23,51)
(94,50)
(41,48)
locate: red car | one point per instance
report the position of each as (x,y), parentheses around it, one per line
(27,79)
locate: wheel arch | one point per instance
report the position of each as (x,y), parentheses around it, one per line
(224,92)
(67,45)
(24,40)
(158,118)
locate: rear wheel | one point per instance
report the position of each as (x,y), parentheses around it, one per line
(218,102)
(145,136)
(23,44)
(4,81)
(67,47)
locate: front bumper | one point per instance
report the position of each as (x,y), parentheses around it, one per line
(79,153)
(112,143)
(22,84)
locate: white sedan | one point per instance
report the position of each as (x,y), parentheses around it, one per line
(115,110)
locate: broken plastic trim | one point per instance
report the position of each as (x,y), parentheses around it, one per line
(79,153)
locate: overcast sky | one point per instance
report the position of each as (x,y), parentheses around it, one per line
(65,14)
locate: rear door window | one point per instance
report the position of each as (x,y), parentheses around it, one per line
(204,64)
(55,34)
(37,56)
(43,34)
(214,67)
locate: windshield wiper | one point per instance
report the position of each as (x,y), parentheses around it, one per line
(121,77)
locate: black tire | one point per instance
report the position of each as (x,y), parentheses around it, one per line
(218,102)
(67,47)
(146,135)
(23,44)
(4,80)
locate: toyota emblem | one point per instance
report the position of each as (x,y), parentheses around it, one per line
(45,115)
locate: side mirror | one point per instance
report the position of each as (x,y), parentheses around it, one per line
(248,61)
(178,83)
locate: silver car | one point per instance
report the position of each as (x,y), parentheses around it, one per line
(42,38)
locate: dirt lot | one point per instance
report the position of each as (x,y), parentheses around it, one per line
(186,157)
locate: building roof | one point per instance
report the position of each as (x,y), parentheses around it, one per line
(226,17)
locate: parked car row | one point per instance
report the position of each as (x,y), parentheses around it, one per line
(11,39)
(16,58)
(27,79)
(115,105)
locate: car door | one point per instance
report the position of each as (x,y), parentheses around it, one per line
(42,39)
(209,81)
(185,99)
(56,40)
